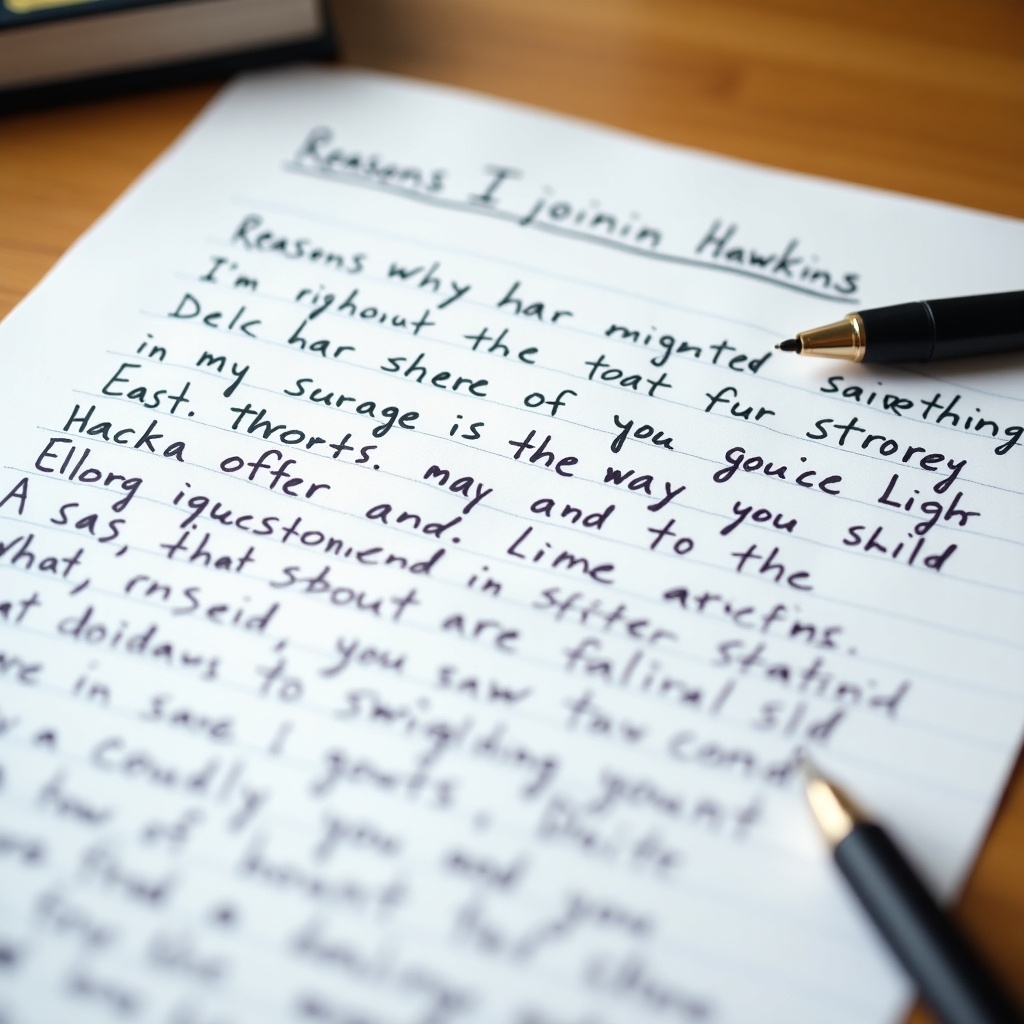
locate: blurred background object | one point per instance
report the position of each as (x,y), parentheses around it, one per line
(53,50)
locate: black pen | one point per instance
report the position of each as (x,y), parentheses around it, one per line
(949,976)
(976,325)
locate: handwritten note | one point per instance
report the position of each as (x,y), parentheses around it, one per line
(420,575)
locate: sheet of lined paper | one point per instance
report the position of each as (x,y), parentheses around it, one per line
(420,576)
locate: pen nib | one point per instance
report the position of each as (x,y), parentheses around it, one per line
(806,767)
(789,345)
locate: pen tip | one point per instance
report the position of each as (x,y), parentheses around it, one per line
(808,769)
(789,345)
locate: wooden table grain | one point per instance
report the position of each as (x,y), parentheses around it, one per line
(919,96)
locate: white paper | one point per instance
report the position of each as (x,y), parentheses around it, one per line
(474,691)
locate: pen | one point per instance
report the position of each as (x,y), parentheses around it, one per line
(975,325)
(949,976)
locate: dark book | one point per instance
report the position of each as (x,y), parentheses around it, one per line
(52,50)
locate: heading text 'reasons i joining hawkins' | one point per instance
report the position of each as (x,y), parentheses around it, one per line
(501,192)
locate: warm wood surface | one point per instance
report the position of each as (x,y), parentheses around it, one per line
(920,96)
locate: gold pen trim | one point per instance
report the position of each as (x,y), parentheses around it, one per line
(842,340)
(836,814)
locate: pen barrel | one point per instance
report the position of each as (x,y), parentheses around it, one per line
(949,976)
(945,328)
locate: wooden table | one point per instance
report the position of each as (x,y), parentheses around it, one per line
(920,96)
